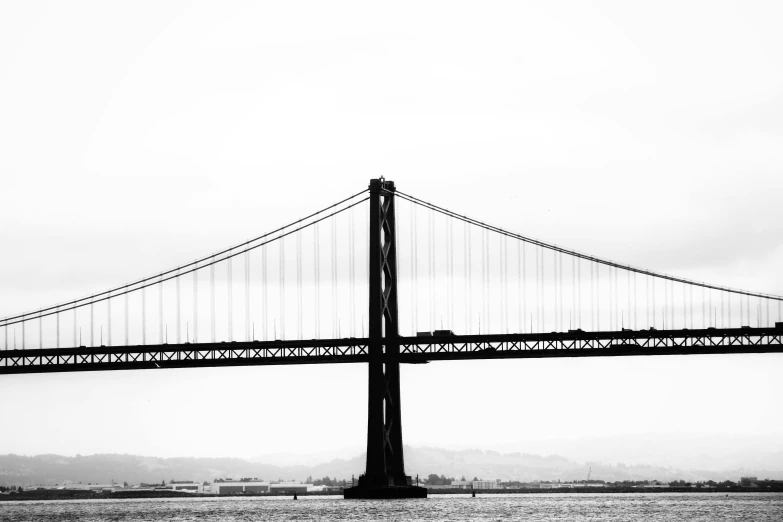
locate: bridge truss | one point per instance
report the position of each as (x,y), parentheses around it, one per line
(616,310)
(413,350)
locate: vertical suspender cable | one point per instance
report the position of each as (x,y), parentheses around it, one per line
(524,282)
(611,308)
(612,299)
(573,322)
(520,327)
(449,292)
(212,299)
(195,302)
(415,265)
(465,268)
(666,309)
(665,302)
(334,276)
(597,296)
(684,315)
(143,317)
(628,297)
(431,260)
(767,324)
(482,318)
(264,295)
(487,289)
(690,290)
(230,293)
(248,322)
(579,291)
(592,296)
(653,303)
(179,317)
(500,280)
(703,308)
(560,263)
(668,306)
(76,326)
(299,303)
(728,298)
(450,251)
(281,287)
(538,290)
(126,320)
(482,287)
(647,300)
(351,272)
(543,292)
(501,260)
(759,315)
(635,306)
(619,316)
(57,341)
(505,282)
(469,278)
(554,288)
(92,321)
(317,282)
(40,331)
(412,251)
(108,322)
(742,312)
(161,337)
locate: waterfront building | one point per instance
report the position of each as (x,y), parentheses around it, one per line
(187,485)
(227,487)
(289,487)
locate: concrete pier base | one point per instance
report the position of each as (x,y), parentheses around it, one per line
(385,492)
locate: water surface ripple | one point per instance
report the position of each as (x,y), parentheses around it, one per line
(757,507)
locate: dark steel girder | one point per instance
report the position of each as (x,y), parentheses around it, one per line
(411,350)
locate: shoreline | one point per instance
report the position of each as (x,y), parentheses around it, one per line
(78,494)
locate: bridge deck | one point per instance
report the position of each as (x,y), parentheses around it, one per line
(412,350)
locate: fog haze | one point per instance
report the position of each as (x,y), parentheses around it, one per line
(137,137)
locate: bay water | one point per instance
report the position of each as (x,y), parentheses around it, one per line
(650,507)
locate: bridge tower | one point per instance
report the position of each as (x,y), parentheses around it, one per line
(384,475)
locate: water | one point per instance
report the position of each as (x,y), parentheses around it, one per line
(757,507)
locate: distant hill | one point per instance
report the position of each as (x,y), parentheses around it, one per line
(56,469)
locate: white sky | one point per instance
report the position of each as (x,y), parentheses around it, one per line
(134,137)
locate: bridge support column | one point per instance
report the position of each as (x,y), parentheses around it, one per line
(384,475)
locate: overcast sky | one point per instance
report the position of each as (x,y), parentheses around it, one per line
(138,136)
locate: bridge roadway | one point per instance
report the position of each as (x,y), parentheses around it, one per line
(414,350)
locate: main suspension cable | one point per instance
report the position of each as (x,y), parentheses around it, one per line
(180,270)
(594,259)
(129,288)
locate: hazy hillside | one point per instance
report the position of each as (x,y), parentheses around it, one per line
(49,469)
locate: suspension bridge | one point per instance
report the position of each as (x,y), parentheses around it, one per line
(454,288)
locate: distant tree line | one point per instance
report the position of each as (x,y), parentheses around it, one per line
(326,481)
